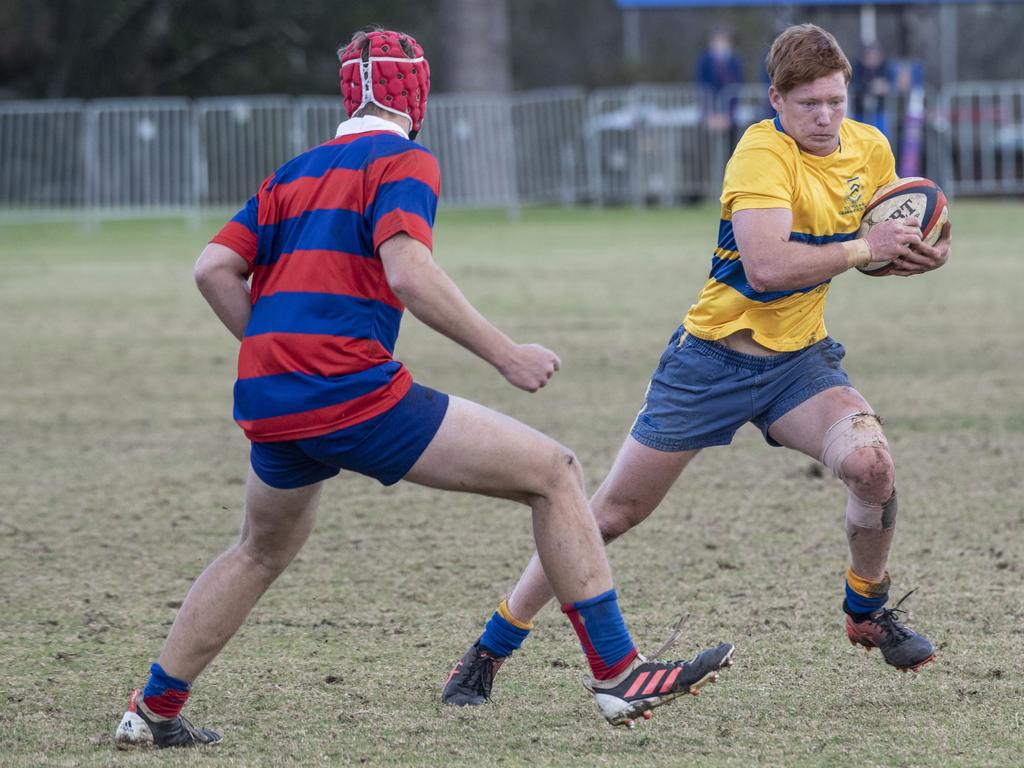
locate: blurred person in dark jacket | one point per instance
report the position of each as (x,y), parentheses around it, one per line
(719,69)
(871,85)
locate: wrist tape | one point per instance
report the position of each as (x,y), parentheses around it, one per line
(858,252)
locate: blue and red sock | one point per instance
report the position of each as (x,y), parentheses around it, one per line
(602,631)
(504,633)
(164,695)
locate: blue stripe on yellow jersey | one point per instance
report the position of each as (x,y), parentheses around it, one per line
(730,272)
(316,354)
(826,195)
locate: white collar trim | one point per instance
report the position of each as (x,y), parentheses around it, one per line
(368,123)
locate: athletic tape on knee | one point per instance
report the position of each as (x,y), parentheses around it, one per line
(870,514)
(851,433)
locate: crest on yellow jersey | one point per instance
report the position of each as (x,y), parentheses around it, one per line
(854,202)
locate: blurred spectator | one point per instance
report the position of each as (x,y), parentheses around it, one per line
(718,69)
(871,84)
(908,135)
(907,74)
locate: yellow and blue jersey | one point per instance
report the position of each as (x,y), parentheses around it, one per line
(827,196)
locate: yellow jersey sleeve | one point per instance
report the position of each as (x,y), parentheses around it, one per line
(757,177)
(883,163)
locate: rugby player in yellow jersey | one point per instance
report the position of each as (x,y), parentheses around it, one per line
(754,347)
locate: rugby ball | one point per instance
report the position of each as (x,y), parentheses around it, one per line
(914,197)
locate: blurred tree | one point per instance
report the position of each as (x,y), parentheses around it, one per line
(567,43)
(91,48)
(476,53)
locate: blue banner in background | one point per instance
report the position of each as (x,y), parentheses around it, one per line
(736,3)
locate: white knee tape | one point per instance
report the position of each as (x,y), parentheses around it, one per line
(850,433)
(869,514)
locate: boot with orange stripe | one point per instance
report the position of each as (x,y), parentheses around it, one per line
(901,646)
(649,684)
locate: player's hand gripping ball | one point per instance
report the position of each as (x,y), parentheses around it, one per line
(912,197)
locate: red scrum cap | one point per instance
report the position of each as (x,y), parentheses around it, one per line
(388,69)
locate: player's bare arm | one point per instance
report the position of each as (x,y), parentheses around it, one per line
(774,263)
(923,257)
(222,276)
(427,291)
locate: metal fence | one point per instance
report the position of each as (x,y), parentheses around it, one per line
(42,162)
(638,145)
(139,155)
(984,130)
(472,139)
(646,144)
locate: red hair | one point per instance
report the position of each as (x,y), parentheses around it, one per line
(802,54)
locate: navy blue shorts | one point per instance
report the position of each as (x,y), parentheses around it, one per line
(384,447)
(702,391)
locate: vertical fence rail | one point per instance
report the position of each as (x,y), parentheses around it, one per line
(243,140)
(471,136)
(139,158)
(985,137)
(549,150)
(320,116)
(639,145)
(42,157)
(646,144)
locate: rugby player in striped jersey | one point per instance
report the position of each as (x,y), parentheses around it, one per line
(312,276)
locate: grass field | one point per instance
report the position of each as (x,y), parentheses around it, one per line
(121,477)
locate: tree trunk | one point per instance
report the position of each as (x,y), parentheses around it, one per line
(476,47)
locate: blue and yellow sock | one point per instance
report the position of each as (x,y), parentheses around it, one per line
(164,695)
(504,633)
(863,596)
(602,631)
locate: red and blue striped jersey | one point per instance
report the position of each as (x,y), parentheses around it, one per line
(316,356)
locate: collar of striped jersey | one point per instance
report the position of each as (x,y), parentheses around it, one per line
(366,124)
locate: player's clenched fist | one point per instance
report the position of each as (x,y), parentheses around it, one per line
(892,239)
(529,366)
(923,257)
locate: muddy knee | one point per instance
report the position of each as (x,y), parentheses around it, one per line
(856,451)
(869,473)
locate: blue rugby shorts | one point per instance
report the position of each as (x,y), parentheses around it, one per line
(702,391)
(384,447)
